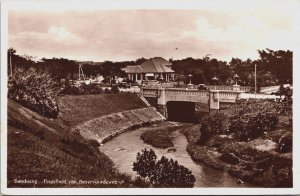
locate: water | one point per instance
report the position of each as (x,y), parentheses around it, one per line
(123,149)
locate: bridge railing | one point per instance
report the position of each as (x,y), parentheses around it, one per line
(149,92)
(227,96)
(245,88)
(219,87)
(182,91)
(227,87)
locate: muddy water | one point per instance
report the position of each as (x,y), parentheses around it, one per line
(123,149)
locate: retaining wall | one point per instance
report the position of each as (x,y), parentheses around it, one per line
(106,127)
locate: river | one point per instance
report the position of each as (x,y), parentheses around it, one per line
(123,148)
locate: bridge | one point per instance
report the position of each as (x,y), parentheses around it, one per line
(164,97)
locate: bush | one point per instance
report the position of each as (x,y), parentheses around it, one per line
(213,124)
(145,163)
(164,172)
(141,183)
(158,139)
(86,89)
(94,143)
(115,89)
(106,90)
(35,90)
(253,119)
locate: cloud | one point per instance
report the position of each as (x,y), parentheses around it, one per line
(130,34)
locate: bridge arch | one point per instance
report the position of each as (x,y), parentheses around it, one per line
(181,111)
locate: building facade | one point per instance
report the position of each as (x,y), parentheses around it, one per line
(156,68)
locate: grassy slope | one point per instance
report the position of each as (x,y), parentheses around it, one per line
(78,109)
(39,148)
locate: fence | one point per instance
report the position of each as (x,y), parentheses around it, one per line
(130,90)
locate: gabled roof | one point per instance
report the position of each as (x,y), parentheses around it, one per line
(153,65)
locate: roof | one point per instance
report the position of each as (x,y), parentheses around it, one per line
(153,65)
(133,69)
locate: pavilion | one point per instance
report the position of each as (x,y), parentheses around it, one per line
(156,68)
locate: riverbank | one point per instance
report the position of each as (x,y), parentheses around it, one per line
(255,161)
(123,154)
(106,127)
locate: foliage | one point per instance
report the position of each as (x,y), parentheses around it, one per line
(273,68)
(145,163)
(280,64)
(35,90)
(170,174)
(164,172)
(251,119)
(158,139)
(115,89)
(210,125)
(86,89)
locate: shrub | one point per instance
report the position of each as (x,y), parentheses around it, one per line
(145,163)
(158,139)
(251,120)
(141,183)
(82,89)
(107,91)
(115,89)
(164,172)
(35,90)
(94,143)
(211,125)
(99,89)
(170,174)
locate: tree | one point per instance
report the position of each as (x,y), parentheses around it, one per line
(279,63)
(145,163)
(16,61)
(164,172)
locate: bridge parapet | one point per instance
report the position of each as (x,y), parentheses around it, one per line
(210,97)
(229,96)
(229,88)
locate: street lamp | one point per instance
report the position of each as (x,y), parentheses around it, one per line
(236,77)
(190,76)
(214,79)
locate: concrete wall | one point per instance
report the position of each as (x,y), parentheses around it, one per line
(106,127)
(229,96)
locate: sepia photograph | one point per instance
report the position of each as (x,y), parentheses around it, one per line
(170,95)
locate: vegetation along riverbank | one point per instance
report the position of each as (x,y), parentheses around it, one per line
(251,140)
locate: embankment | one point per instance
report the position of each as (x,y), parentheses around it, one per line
(254,161)
(39,150)
(75,110)
(105,127)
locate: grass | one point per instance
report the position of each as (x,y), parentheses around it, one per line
(30,157)
(75,110)
(39,149)
(158,138)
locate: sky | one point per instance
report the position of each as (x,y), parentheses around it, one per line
(128,34)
